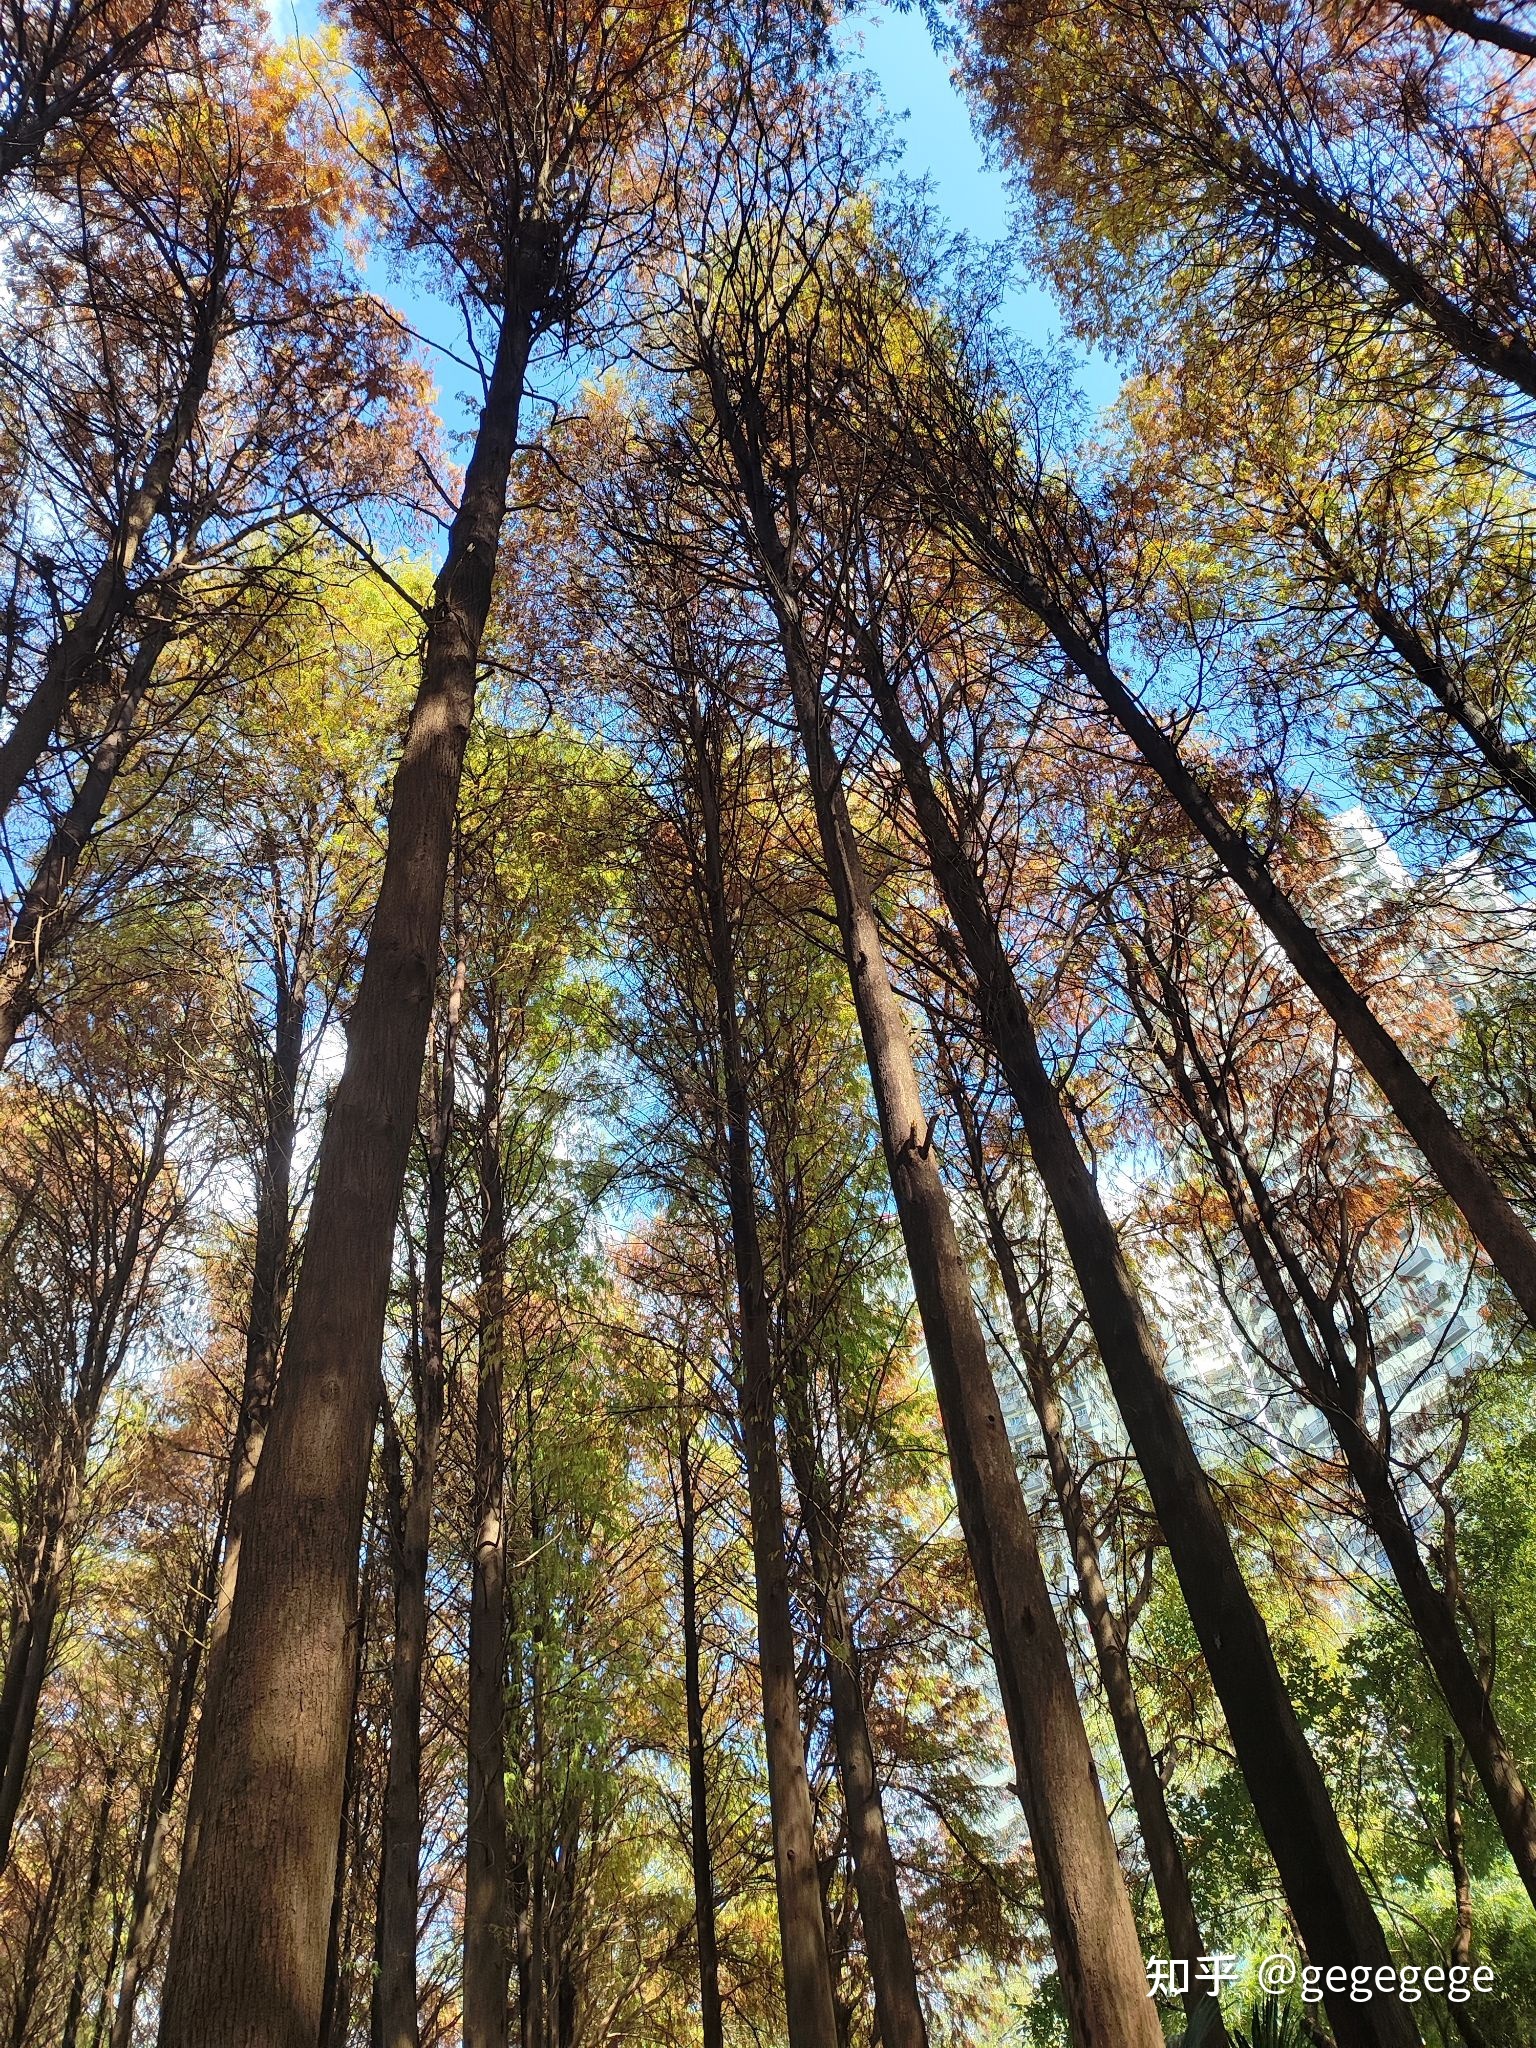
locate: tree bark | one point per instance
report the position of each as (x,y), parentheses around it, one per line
(247,1965)
(810,2017)
(487,1880)
(396,2019)
(76,2006)
(1317,1873)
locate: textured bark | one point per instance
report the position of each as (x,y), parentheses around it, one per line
(38,923)
(1334,1382)
(1165,1854)
(77,653)
(711,2020)
(396,2019)
(809,2012)
(487,1882)
(336,1991)
(1489,1215)
(1317,1872)
(247,1961)
(893,1972)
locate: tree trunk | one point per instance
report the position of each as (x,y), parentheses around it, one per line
(336,1992)
(487,1894)
(145,1918)
(247,1964)
(28,1656)
(811,2021)
(1165,1854)
(1490,1217)
(1087,1906)
(396,2019)
(1317,1873)
(712,2024)
(893,1973)
(1334,1385)
(263,1340)
(76,2006)
(38,925)
(77,653)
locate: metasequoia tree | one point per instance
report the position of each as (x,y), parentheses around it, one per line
(990,482)
(1323,1237)
(1353,166)
(514,128)
(228,375)
(753,298)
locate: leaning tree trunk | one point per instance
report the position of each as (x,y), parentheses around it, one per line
(396,2015)
(810,2017)
(1488,1213)
(487,1883)
(1317,1872)
(39,922)
(247,1963)
(76,654)
(1165,1854)
(893,1972)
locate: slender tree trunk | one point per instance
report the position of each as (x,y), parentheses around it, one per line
(27,1659)
(396,2017)
(77,653)
(1290,1798)
(247,1964)
(809,2013)
(38,924)
(712,2023)
(1165,1854)
(336,1993)
(36,1944)
(487,1893)
(1334,1385)
(898,2008)
(1456,1854)
(77,1982)
(263,1339)
(145,1919)
(1489,1215)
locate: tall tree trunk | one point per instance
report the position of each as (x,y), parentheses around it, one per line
(712,2023)
(396,2018)
(893,1972)
(145,1918)
(76,2006)
(1165,1854)
(1489,1215)
(76,654)
(1087,1906)
(811,2020)
(336,1993)
(247,1963)
(1334,1383)
(29,1653)
(1317,1872)
(38,924)
(487,1891)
